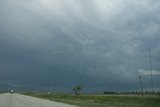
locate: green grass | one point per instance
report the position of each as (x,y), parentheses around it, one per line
(102,100)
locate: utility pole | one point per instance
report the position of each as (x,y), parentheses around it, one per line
(140,78)
(51,86)
(50,91)
(150,56)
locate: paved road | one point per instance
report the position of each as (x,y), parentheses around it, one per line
(17,100)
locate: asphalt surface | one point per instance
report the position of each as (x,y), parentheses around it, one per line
(18,100)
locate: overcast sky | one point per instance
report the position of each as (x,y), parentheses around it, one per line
(100,44)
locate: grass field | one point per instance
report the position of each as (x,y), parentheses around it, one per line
(103,100)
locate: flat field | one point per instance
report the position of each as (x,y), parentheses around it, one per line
(85,100)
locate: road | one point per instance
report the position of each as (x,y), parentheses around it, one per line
(18,100)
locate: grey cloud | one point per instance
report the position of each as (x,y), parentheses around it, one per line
(96,43)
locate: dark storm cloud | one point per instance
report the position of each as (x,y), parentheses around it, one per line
(96,43)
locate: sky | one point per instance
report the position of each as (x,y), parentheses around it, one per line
(99,44)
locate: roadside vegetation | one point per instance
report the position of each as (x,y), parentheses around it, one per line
(111,100)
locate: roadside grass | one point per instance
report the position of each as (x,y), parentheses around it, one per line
(102,100)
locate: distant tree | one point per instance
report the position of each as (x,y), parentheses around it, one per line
(109,92)
(76,89)
(146,92)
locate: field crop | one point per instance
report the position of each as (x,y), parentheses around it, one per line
(103,100)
